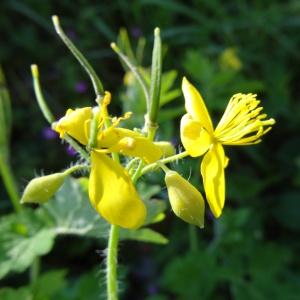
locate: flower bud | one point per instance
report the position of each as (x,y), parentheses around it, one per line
(166,147)
(41,189)
(186,201)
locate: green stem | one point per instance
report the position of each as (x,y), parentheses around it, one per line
(137,174)
(97,84)
(112,251)
(169,159)
(47,112)
(75,168)
(134,70)
(39,95)
(193,238)
(112,263)
(35,270)
(10,184)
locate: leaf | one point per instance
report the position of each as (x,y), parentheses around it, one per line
(13,294)
(49,284)
(155,207)
(46,287)
(22,239)
(87,286)
(147,191)
(72,213)
(143,235)
(155,211)
(193,274)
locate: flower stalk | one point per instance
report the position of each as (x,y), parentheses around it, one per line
(134,69)
(97,84)
(112,263)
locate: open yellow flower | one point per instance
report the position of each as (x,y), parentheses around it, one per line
(111,190)
(242,124)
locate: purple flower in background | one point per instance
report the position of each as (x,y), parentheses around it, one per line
(152,289)
(49,134)
(136,31)
(70,150)
(71,34)
(81,87)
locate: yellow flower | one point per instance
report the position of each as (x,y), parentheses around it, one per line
(111,190)
(242,124)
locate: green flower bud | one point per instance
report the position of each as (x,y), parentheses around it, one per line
(41,189)
(186,201)
(167,148)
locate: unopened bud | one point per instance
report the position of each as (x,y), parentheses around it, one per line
(41,189)
(186,201)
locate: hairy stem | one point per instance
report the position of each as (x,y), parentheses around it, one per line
(169,159)
(112,263)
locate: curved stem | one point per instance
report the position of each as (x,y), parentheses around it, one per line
(39,95)
(169,159)
(135,71)
(97,84)
(112,263)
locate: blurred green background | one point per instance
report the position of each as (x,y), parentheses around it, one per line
(223,47)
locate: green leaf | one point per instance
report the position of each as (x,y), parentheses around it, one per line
(13,294)
(49,284)
(72,213)
(193,274)
(155,211)
(155,207)
(143,235)
(22,239)
(147,191)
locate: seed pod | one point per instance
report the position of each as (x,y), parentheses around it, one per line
(41,189)
(186,201)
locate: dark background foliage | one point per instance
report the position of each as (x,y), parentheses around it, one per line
(251,252)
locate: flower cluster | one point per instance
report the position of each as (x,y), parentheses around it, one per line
(111,190)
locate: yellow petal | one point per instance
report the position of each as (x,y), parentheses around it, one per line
(73,123)
(112,193)
(195,105)
(212,170)
(186,201)
(195,139)
(129,143)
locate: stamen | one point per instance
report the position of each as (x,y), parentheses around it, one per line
(242,123)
